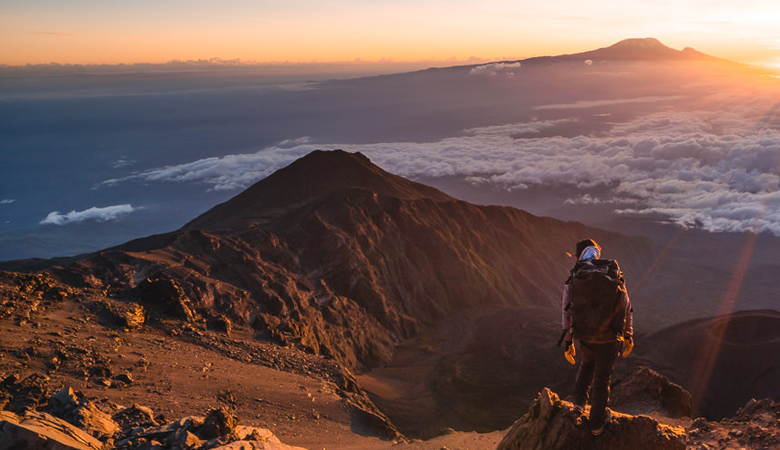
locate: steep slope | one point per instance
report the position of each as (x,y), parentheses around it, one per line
(345,259)
(305,179)
(723,360)
(455,306)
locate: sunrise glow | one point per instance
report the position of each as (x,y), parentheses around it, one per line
(346,30)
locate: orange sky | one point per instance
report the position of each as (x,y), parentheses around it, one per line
(92,31)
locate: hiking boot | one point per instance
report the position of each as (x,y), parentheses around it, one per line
(597,430)
(578,404)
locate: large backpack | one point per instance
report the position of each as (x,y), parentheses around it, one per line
(597,304)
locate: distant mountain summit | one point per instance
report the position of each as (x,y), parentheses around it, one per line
(628,50)
(642,49)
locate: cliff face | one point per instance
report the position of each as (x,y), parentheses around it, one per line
(338,256)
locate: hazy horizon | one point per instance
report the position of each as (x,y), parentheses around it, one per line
(83,32)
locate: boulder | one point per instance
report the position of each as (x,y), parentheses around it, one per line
(128,315)
(135,416)
(219,429)
(166,295)
(124,378)
(218,422)
(41,431)
(75,409)
(252,438)
(643,390)
(183,439)
(554,424)
(26,394)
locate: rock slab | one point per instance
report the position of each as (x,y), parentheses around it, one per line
(554,424)
(41,431)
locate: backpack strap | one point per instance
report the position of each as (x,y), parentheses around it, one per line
(618,297)
(562,336)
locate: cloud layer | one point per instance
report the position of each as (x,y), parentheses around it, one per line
(494,69)
(97,214)
(718,170)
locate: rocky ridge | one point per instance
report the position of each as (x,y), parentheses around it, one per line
(552,423)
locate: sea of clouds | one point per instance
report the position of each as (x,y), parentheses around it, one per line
(717,170)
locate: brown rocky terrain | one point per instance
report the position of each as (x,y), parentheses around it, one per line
(338,258)
(336,305)
(56,337)
(344,259)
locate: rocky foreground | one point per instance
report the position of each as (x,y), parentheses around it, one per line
(76,368)
(67,420)
(554,424)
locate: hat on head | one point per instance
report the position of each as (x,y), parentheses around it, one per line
(585,243)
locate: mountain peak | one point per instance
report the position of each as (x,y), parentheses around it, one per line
(640,44)
(316,174)
(642,49)
(628,50)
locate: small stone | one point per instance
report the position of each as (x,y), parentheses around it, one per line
(125,378)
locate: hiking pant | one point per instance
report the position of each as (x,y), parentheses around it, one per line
(596,366)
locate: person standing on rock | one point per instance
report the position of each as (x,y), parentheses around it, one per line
(597,312)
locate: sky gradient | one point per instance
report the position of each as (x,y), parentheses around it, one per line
(111,32)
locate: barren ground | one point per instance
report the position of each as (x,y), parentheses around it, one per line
(183,372)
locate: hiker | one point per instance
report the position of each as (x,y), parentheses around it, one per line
(600,343)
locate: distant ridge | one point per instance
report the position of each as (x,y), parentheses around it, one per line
(628,50)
